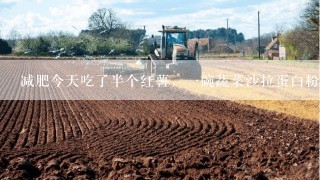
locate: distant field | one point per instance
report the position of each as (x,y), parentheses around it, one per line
(284,100)
(308,109)
(302,109)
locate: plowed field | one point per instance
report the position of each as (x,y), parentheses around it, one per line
(61,137)
(153,139)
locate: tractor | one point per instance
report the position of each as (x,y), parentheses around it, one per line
(173,57)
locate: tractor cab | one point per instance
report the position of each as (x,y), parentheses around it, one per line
(173,58)
(173,44)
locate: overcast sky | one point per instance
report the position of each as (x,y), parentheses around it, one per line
(40,16)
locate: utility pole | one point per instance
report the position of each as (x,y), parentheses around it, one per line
(227,32)
(235,41)
(208,44)
(259,35)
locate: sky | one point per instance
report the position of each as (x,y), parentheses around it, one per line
(35,17)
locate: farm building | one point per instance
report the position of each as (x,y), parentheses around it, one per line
(205,44)
(275,51)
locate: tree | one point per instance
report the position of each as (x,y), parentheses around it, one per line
(240,37)
(12,37)
(251,46)
(310,16)
(302,42)
(4,47)
(279,29)
(104,20)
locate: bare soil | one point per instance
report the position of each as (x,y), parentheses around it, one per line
(153,140)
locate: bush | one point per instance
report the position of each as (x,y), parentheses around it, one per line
(4,47)
(54,43)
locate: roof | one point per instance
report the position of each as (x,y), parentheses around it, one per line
(274,41)
(201,41)
(174,29)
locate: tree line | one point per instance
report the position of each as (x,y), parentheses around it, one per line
(218,34)
(106,35)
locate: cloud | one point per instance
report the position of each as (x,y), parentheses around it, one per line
(60,18)
(62,15)
(203,19)
(39,1)
(29,22)
(7,4)
(274,12)
(111,2)
(130,12)
(7,1)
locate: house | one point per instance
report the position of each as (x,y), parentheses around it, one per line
(275,51)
